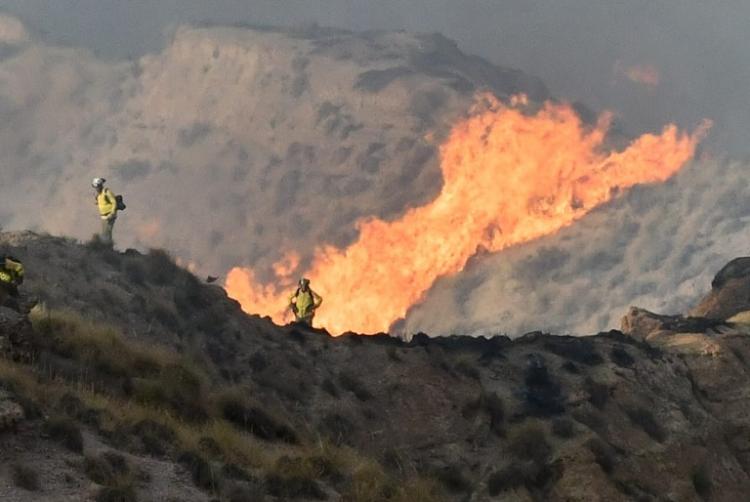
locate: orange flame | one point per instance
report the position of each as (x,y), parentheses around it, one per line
(509,177)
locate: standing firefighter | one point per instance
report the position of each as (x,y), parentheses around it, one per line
(304,302)
(106,201)
(11,276)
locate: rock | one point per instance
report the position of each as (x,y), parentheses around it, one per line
(643,324)
(730,293)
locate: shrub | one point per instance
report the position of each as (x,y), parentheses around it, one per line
(393,354)
(295,477)
(66,432)
(337,428)
(644,419)
(107,468)
(245,494)
(134,271)
(25,477)
(598,393)
(575,349)
(452,477)
(702,482)
(563,428)
(154,436)
(603,454)
(123,493)
(330,387)
(543,395)
(529,474)
(351,383)
(254,420)
(200,470)
(529,442)
(622,358)
(466,368)
(591,419)
(160,268)
(233,471)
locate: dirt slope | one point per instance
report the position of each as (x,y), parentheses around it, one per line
(658,411)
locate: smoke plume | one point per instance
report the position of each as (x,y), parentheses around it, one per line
(235,147)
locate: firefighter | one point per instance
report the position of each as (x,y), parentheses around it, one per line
(304,302)
(11,276)
(106,201)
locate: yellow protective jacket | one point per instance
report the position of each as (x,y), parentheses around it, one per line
(11,271)
(107,203)
(305,302)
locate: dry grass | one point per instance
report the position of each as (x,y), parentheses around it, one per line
(163,386)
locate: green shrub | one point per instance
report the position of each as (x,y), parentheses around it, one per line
(604,455)
(529,474)
(123,493)
(25,477)
(235,409)
(201,471)
(295,478)
(467,368)
(106,469)
(350,382)
(702,482)
(644,419)
(598,393)
(529,442)
(622,357)
(66,432)
(453,478)
(563,428)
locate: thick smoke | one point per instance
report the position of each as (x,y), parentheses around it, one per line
(657,247)
(583,49)
(234,146)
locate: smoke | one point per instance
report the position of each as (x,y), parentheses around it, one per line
(233,147)
(657,247)
(698,47)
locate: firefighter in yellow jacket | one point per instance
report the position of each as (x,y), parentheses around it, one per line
(11,276)
(304,302)
(106,201)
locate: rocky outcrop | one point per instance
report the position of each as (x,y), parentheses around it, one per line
(730,292)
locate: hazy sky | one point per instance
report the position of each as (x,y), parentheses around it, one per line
(606,53)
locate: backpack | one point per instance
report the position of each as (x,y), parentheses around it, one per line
(120,203)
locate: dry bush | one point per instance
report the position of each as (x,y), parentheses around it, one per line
(529,442)
(66,432)
(643,418)
(353,384)
(25,477)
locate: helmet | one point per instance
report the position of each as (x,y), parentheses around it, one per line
(97,182)
(304,282)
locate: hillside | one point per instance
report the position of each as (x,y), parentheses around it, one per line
(159,369)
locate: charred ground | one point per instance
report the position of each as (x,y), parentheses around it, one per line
(148,384)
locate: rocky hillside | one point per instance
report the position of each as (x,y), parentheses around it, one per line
(148,384)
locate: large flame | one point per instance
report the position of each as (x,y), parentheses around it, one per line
(509,177)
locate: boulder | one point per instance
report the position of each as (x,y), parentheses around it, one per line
(730,292)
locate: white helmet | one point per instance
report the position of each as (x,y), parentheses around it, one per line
(97,182)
